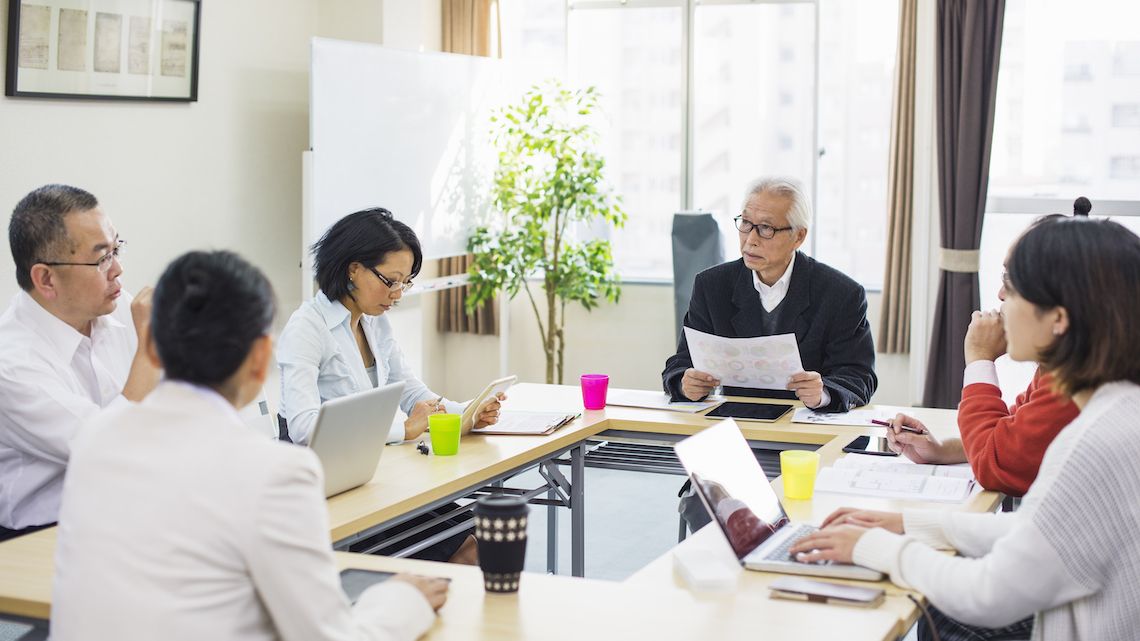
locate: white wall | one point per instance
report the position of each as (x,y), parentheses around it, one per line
(224,172)
(413,24)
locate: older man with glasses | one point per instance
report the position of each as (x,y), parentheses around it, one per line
(775,289)
(70,337)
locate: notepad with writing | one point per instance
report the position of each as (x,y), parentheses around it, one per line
(534,423)
(874,476)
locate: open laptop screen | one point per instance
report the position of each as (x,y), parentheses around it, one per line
(732,486)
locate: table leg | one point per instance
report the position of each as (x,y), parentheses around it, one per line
(578,510)
(552,533)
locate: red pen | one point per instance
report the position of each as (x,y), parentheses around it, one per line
(905,428)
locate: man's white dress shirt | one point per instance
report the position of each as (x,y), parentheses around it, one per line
(772,296)
(52,378)
(319,360)
(180,523)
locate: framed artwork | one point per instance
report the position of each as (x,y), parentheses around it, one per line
(103,49)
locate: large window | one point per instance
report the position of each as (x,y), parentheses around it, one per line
(702,97)
(1067,124)
(634,58)
(856,87)
(753,102)
(1067,121)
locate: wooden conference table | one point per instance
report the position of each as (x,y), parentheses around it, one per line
(651,602)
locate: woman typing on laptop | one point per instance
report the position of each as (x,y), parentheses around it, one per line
(178,522)
(339,343)
(1067,555)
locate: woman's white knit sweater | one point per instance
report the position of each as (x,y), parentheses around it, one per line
(1070,554)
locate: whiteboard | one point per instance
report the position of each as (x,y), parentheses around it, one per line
(404,130)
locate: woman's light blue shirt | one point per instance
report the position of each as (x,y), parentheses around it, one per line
(319,360)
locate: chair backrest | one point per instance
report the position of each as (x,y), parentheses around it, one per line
(697,245)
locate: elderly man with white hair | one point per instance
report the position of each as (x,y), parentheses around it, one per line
(775,289)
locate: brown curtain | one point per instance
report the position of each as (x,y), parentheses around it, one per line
(452,316)
(470,27)
(968,49)
(894,323)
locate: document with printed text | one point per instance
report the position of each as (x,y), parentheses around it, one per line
(899,479)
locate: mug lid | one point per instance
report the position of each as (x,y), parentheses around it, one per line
(500,504)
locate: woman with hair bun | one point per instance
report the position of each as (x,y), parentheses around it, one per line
(180,523)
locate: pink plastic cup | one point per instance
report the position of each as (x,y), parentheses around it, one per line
(594,388)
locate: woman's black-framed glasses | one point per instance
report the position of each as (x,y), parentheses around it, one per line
(103,265)
(764,229)
(403,287)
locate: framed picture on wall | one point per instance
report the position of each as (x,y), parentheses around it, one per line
(103,49)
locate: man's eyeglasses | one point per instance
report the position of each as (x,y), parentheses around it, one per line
(103,265)
(403,287)
(764,229)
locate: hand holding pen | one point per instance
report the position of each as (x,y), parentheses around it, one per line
(897,424)
(417,422)
(909,437)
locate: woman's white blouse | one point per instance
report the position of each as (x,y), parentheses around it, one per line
(320,360)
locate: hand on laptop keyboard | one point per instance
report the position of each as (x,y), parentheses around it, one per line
(835,543)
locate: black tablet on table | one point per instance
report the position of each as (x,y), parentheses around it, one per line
(749,411)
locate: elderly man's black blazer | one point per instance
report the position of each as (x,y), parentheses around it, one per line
(824,308)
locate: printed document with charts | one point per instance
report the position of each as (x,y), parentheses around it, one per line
(897,479)
(536,423)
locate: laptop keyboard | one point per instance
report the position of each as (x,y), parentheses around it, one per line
(780,552)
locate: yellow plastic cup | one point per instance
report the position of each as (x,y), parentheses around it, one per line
(444,430)
(798,468)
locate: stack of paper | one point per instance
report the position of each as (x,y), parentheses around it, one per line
(527,423)
(875,476)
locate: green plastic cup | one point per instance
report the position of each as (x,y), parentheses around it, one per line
(444,430)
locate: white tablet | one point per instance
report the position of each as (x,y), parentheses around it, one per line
(484,397)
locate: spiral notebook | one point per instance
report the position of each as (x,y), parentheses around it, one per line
(532,423)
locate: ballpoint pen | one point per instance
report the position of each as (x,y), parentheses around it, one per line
(905,428)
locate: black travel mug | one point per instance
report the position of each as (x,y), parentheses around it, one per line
(500,529)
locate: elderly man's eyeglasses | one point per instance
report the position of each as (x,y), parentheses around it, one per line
(403,287)
(103,265)
(764,229)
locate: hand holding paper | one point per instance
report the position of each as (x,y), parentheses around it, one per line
(765,362)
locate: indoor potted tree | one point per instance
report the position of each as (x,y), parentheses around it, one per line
(549,176)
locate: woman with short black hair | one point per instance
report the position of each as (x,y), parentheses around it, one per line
(339,342)
(1067,555)
(179,522)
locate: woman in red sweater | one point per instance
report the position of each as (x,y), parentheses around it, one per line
(1004,445)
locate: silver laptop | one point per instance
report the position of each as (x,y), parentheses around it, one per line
(733,487)
(350,434)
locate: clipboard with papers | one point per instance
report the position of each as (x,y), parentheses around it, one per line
(528,423)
